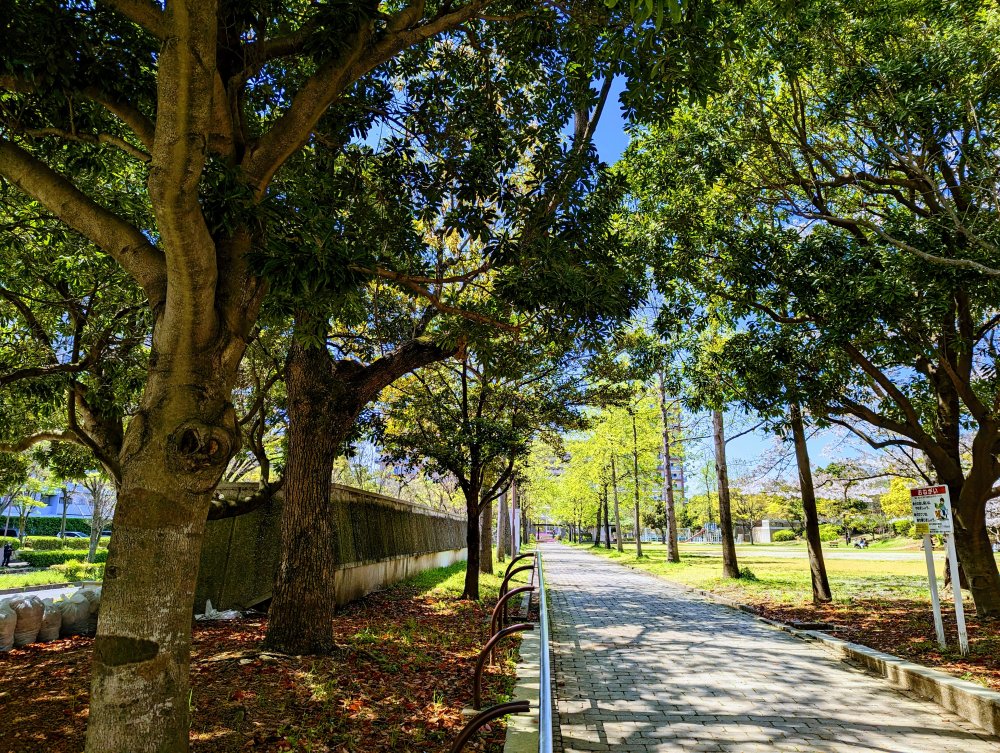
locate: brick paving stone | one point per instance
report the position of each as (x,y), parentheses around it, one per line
(642,666)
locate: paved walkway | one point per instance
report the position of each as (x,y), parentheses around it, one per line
(641,666)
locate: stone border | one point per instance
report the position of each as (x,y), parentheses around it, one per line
(972,702)
(522,729)
(48,587)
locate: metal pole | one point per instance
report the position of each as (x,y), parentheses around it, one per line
(935,600)
(956,587)
(544,681)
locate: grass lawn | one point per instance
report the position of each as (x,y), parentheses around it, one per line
(398,680)
(34,578)
(882,603)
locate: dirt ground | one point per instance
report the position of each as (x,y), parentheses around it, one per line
(398,681)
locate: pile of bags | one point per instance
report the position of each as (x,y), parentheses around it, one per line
(27,619)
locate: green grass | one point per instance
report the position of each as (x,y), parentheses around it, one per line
(35,578)
(448,582)
(782,579)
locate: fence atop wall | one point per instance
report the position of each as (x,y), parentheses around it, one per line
(240,554)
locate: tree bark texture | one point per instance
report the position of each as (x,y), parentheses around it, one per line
(673,550)
(486,539)
(472,543)
(303,605)
(817,568)
(325,398)
(730,567)
(618,517)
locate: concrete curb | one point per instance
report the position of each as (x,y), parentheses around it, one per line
(48,587)
(972,702)
(522,729)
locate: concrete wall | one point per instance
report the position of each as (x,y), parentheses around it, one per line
(380,540)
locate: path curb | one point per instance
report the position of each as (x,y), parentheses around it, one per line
(972,702)
(49,587)
(522,729)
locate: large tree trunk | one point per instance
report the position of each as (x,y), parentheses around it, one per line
(486,540)
(175,451)
(673,550)
(303,605)
(618,517)
(472,543)
(325,398)
(730,568)
(817,568)
(977,563)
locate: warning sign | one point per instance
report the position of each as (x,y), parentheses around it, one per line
(931,509)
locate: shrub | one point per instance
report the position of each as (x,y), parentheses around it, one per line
(57,556)
(903,527)
(50,525)
(829,532)
(783,535)
(747,574)
(9,540)
(79,570)
(49,543)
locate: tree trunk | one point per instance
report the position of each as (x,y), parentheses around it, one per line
(96,524)
(730,568)
(817,568)
(175,451)
(502,525)
(607,523)
(472,543)
(303,605)
(62,523)
(618,517)
(597,530)
(486,540)
(977,563)
(673,550)
(635,477)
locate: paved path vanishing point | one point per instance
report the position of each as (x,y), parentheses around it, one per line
(641,665)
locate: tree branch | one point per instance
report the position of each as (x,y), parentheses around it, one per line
(30,440)
(145,13)
(123,241)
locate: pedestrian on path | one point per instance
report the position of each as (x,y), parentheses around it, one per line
(8,552)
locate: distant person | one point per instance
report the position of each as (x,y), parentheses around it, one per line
(8,552)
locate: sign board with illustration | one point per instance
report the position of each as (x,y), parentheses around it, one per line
(931,509)
(932,515)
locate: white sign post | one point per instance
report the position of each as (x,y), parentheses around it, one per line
(932,514)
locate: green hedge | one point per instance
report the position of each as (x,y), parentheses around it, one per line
(79,570)
(57,556)
(48,543)
(783,535)
(829,532)
(9,540)
(50,525)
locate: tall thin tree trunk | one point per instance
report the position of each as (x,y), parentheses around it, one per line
(502,525)
(730,568)
(597,529)
(607,523)
(303,604)
(635,477)
(618,517)
(673,550)
(486,542)
(65,504)
(817,568)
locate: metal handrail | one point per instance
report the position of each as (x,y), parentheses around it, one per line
(485,717)
(544,668)
(477,684)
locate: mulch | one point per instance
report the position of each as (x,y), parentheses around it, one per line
(398,681)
